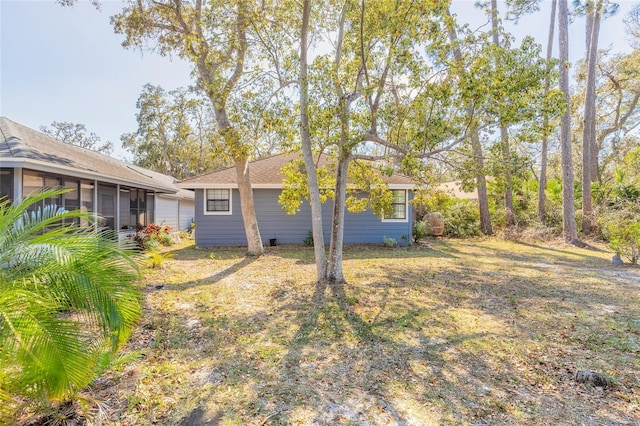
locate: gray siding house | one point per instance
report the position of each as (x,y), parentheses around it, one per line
(218,215)
(122,194)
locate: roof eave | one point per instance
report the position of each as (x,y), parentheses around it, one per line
(43,166)
(202,185)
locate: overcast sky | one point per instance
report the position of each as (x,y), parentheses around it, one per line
(66,64)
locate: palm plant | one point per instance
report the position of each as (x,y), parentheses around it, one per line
(66,299)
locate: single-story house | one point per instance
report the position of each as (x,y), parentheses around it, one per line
(218,217)
(122,194)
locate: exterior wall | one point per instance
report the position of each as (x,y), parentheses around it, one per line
(174,212)
(186,214)
(220,230)
(167,212)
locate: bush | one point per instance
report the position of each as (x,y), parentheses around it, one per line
(462,220)
(420,230)
(153,236)
(151,244)
(625,239)
(308,241)
(389,242)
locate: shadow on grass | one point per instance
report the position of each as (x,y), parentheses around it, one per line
(304,255)
(212,279)
(410,346)
(374,363)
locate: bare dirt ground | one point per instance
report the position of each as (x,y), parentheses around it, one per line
(453,332)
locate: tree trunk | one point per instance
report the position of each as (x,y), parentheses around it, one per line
(476,145)
(305,137)
(481,182)
(508,190)
(241,162)
(589,128)
(254,240)
(569,230)
(504,135)
(592,58)
(334,266)
(542,184)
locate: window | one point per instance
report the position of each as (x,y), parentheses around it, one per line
(217,201)
(6,184)
(398,206)
(137,208)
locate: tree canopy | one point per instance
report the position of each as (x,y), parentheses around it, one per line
(78,135)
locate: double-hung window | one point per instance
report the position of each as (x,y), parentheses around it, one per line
(217,201)
(398,210)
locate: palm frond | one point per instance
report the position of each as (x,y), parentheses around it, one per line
(63,289)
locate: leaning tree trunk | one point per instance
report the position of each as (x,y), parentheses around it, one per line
(241,162)
(589,128)
(476,145)
(254,240)
(542,184)
(569,230)
(305,137)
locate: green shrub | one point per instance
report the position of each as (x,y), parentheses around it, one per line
(308,241)
(420,230)
(625,239)
(462,219)
(389,242)
(151,244)
(166,240)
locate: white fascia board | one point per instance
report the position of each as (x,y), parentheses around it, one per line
(227,186)
(264,186)
(401,186)
(44,166)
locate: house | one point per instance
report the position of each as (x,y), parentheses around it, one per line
(219,222)
(455,190)
(122,194)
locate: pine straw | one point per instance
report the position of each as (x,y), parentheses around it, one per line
(457,332)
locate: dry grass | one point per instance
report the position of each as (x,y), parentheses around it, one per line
(460,332)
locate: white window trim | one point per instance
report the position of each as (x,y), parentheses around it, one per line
(406,209)
(208,213)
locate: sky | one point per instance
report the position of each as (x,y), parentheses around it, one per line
(66,63)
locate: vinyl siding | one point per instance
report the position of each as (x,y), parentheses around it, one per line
(186,214)
(167,212)
(220,230)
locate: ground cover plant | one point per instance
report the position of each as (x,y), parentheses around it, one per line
(454,332)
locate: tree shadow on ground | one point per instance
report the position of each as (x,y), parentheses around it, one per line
(370,352)
(209,280)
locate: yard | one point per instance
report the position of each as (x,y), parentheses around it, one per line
(454,332)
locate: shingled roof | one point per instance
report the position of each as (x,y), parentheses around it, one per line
(266,173)
(21,146)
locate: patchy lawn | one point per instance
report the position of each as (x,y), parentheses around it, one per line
(458,332)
